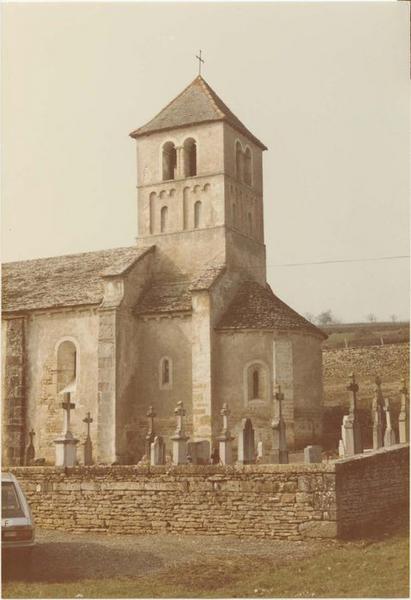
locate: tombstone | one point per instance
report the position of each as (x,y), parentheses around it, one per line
(158,451)
(66,444)
(389,435)
(378,416)
(351,428)
(246,446)
(30,452)
(403,416)
(179,438)
(312,454)
(279,454)
(341,449)
(150,432)
(199,452)
(88,446)
(225,439)
(260,451)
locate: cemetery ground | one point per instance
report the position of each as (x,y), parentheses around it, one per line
(166,566)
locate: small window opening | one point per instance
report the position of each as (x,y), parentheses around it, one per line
(163,219)
(256,384)
(169,161)
(239,161)
(247,166)
(197,214)
(190,158)
(165,378)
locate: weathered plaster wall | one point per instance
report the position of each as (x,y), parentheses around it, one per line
(45,331)
(308,389)
(272,501)
(157,338)
(234,352)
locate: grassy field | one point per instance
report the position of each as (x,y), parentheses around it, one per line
(375,567)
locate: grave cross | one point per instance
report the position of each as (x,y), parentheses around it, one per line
(404,394)
(225,413)
(67,406)
(353,388)
(151,414)
(279,396)
(200,60)
(31,434)
(88,420)
(179,412)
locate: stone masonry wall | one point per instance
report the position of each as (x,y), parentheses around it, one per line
(273,501)
(369,487)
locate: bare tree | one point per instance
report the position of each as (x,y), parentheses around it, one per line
(310,317)
(371,318)
(325,318)
(394,318)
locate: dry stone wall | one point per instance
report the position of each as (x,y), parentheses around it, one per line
(272,501)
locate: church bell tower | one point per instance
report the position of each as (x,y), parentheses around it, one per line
(200,193)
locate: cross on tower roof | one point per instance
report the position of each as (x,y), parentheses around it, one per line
(200,60)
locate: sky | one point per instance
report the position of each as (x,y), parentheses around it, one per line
(324,85)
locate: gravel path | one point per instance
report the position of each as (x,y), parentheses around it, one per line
(60,556)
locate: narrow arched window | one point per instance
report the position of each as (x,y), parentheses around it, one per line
(190,158)
(165,373)
(169,161)
(247,166)
(256,384)
(197,214)
(163,219)
(239,161)
(66,365)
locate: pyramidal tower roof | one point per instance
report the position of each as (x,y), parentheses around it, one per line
(197,103)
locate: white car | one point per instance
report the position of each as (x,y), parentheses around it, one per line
(17,527)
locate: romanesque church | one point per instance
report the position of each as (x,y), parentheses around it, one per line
(184,315)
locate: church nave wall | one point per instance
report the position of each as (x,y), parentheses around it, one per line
(45,333)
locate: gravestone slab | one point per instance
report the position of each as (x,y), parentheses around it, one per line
(246,447)
(312,454)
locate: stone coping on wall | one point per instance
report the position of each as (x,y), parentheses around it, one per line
(369,454)
(203,470)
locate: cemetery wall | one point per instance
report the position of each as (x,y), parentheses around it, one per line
(272,501)
(370,487)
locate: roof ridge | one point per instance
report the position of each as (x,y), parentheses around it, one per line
(208,90)
(166,106)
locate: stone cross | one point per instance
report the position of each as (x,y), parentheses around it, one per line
(88,446)
(389,435)
(279,450)
(225,439)
(179,438)
(246,445)
(403,416)
(30,453)
(353,388)
(200,60)
(67,406)
(351,429)
(150,433)
(377,414)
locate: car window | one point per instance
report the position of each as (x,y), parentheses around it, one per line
(10,503)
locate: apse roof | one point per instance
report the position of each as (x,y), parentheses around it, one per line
(257,307)
(197,103)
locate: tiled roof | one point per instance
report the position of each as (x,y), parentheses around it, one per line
(71,280)
(175,296)
(164,298)
(197,103)
(257,307)
(206,279)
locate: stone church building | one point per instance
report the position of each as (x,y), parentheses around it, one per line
(185,314)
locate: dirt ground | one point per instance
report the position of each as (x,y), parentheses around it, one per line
(60,556)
